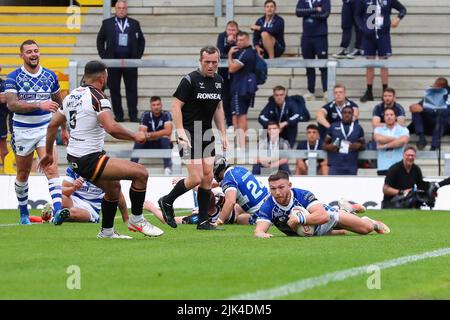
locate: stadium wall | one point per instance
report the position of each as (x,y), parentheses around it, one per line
(364,190)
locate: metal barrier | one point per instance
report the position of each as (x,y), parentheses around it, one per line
(331,65)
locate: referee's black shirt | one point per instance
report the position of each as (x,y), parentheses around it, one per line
(200,95)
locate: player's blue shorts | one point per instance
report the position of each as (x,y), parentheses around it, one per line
(323,229)
(380,47)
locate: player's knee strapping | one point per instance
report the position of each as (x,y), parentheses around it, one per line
(137,198)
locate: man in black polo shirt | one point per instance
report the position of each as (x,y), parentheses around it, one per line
(197,101)
(403,177)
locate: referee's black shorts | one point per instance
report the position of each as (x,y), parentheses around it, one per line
(90,166)
(202,145)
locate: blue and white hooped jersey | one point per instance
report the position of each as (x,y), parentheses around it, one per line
(250,191)
(88,192)
(32,88)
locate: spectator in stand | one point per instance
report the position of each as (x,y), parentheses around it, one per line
(225,41)
(268,32)
(425,116)
(343,142)
(348,23)
(121,37)
(332,111)
(285,110)
(5,120)
(391,139)
(376,29)
(157,126)
(268,151)
(242,64)
(314,42)
(312,143)
(388,103)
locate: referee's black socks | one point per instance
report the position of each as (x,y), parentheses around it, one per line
(203,198)
(137,198)
(109,209)
(177,191)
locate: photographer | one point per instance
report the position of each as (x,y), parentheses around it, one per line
(404,185)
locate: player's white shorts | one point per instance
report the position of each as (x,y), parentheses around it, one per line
(25,140)
(83,204)
(323,229)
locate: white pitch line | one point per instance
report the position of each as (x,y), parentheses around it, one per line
(309,283)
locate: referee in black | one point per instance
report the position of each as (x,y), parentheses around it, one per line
(197,101)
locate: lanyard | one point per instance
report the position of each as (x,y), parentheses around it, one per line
(122,26)
(268,24)
(316,146)
(349,131)
(282,111)
(311,2)
(338,110)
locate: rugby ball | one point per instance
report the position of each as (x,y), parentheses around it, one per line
(303,230)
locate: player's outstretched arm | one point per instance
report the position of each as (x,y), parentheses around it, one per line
(261,230)
(117,131)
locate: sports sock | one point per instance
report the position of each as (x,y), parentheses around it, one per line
(22,197)
(203,196)
(109,209)
(54,187)
(177,191)
(137,198)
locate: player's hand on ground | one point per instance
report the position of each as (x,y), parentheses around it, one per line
(140,137)
(263,235)
(45,162)
(51,106)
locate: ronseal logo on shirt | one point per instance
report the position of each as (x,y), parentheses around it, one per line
(209,96)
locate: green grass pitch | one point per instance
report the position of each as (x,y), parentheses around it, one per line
(188,264)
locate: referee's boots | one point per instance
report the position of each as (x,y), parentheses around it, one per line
(205,225)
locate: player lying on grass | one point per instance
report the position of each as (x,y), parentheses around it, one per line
(298,212)
(217,200)
(83,199)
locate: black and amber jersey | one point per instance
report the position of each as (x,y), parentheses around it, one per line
(81,109)
(201,96)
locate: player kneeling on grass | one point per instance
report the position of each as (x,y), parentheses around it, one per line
(297,212)
(83,199)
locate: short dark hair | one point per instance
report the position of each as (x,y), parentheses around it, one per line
(270,1)
(209,50)
(155,98)
(94,67)
(389,89)
(278,88)
(312,126)
(232,23)
(279,175)
(442,82)
(27,43)
(271,123)
(410,147)
(242,33)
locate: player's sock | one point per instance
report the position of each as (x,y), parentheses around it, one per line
(54,186)
(203,196)
(178,190)
(109,209)
(137,198)
(22,197)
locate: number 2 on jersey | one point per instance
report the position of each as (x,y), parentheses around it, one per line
(253,187)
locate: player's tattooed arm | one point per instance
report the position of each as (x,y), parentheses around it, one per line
(16,105)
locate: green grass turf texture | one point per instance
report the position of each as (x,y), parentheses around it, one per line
(188,264)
